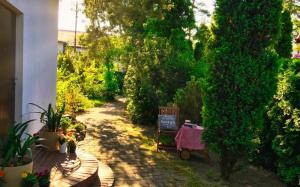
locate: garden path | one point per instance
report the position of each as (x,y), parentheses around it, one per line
(119,144)
(130,151)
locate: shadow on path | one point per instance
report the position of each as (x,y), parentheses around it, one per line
(130,151)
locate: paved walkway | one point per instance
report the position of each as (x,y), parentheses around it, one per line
(116,142)
(131,153)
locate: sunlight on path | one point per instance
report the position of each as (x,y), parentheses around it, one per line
(116,142)
(130,151)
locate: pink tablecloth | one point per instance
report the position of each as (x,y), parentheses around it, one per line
(189,138)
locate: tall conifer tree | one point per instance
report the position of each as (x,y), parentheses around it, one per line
(241,79)
(284,47)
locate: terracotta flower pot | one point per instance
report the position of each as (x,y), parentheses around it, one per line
(13,174)
(50,140)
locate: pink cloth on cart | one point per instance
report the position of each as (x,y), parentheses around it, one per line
(190,138)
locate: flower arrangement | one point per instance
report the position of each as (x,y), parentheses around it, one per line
(43,178)
(72,146)
(29,179)
(62,139)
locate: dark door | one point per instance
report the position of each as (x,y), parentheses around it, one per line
(7,68)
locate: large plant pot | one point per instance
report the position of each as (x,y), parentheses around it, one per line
(13,174)
(50,140)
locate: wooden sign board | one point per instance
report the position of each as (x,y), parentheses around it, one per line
(167,122)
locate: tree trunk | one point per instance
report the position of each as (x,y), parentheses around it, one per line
(227,164)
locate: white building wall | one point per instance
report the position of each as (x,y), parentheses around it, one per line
(37,80)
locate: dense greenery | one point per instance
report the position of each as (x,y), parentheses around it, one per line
(82,77)
(157,51)
(284,115)
(242,69)
(280,137)
(189,101)
(293,6)
(285,46)
(157,44)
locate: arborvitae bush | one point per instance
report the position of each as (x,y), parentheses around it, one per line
(283,117)
(284,47)
(189,101)
(241,78)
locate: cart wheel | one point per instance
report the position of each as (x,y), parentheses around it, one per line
(185,154)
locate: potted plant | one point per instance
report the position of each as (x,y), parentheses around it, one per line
(29,179)
(72,146)
(43,178)
(15,154)
(52,119)
(63,142)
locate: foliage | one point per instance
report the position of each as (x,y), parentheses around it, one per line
(51,117)
(202,37)
(66,122)
(80,130)
(264,155)
(284,47)
(43,178)
(15,147)
(78,126)
(142,103)
(155,49)
(189,101)
(163,60)
(69,82)
(71,146)
(293,6)
(241,77)
(119,77)
(62,139)
(29,179)
(110,84)
(87,75)
(69,93)
(283,118)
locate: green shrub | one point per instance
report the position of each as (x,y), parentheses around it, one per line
(66,122)
(92,81)
(264,155)
(202,37)
(78,126)
(120,81)
(70,94)
(109,85)
(189,101)
(142,105)
(241,76)
(284,46)
(284,117)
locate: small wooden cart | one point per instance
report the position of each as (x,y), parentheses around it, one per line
(188,140)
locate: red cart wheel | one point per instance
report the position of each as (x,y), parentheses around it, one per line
(185,154)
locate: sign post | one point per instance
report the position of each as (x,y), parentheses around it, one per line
(168,119)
